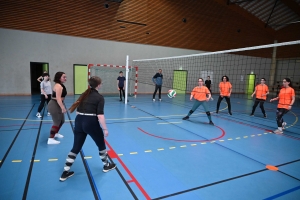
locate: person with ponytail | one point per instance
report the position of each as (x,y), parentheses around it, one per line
(286,99)
(90,111)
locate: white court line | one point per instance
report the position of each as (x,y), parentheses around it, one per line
(170,123)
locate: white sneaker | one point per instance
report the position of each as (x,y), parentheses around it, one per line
(52,141)
(211,99)
(57,135)
(283,125)
(153,99)
(159,99)
(38,115)
(48,114)
(277,131)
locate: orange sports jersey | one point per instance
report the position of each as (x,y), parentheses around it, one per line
(285,97)
(225,88)
(200,93)
(261,90)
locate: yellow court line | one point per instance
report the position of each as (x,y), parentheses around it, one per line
(133,152)
(52,159)
(193,144)
(87,157)
(120,154)
(161,149)
(148,151)
(16,161)
(172,147)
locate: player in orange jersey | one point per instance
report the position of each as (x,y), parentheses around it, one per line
(286,99)
(261,92)
(225,88)
(201,94)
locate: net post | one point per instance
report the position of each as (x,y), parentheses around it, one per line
(126,85)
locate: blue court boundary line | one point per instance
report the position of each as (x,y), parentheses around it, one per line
(283,193)
(89,170)
(15,138)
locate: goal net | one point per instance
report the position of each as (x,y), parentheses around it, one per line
(109,75)
(245,67)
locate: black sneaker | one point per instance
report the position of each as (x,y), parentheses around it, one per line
(210,122)
(229,113)
(217,112)
(120,99)
(110,166)
(186,117)
(265,115)
(251,115)
(65,175)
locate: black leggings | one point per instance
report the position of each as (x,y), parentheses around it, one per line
(279,114)
(43,100)
(121,90)
(85,125)
(261,105)
(157,87)
(227,100)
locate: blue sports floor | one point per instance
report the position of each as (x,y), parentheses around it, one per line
(158,155)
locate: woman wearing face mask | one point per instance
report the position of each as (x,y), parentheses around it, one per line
(90,111)
(286,99)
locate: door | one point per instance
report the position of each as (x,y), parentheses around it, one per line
(180,81)
(36,70)
(250,83)
(80,78)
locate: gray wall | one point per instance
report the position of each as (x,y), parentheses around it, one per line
(19,48)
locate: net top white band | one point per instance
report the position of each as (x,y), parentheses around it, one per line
(227,51)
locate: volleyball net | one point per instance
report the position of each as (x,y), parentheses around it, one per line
(245,67)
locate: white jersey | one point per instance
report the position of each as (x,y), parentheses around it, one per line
(46,86)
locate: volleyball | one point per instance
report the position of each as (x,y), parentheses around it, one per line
(171,93)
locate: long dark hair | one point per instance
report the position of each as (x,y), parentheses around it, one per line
(57,77)
(227,79)
(289,80)
(94,81)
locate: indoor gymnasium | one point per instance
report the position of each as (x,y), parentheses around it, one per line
(135,99)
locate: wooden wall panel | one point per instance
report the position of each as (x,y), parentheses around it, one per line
(211,25)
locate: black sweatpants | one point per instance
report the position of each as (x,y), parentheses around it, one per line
(279,114)
(87,125)
(157,87)
(261,105)
(43,100)
(227,100)
(121,90)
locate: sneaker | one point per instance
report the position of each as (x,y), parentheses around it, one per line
(153,99)
(159,99)
(265,115)
(277,131)
(48,114)
(57,135)
(65,175)
(283,125)
(217,112)
(121,100)
(210,122)
(38,115)
(251,115)
(110,166)
(229,113)
(186,117)
(211,99)
(52,141)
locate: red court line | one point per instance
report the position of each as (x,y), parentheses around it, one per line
(223,134)
(113,154)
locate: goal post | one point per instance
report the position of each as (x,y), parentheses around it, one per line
(109,75)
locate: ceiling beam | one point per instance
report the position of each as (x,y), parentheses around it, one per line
(247,15)
(293,5)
